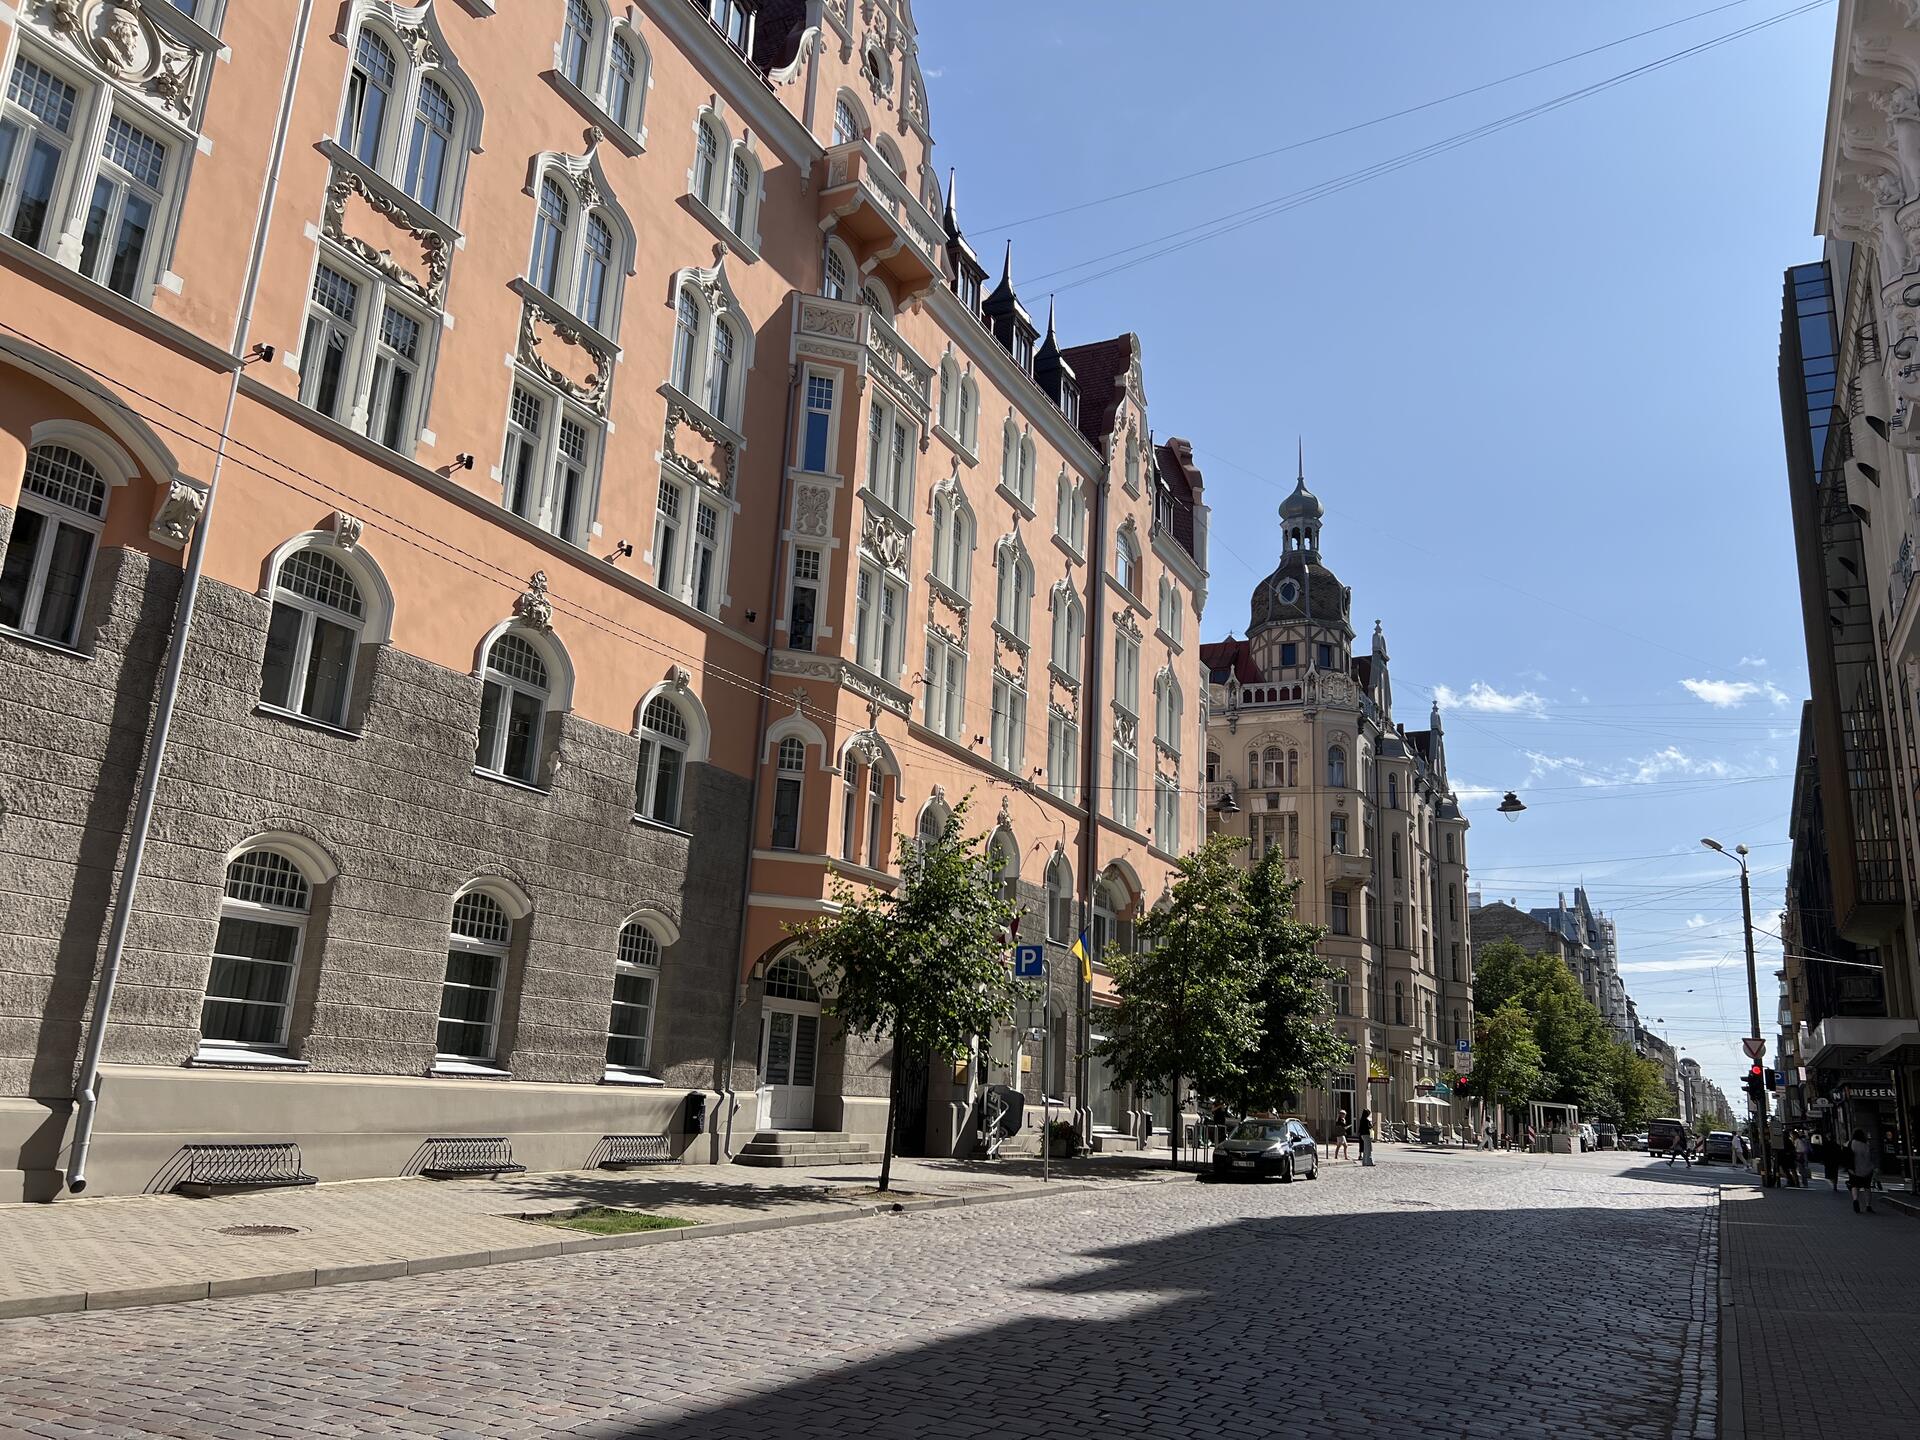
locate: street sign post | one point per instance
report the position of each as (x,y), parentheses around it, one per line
(1029,962)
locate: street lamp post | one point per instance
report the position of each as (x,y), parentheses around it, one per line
(1739,857)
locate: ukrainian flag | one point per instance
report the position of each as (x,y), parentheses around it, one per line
(1084,954)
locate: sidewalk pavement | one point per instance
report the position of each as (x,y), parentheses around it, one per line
(1819,1312)
(117,1251)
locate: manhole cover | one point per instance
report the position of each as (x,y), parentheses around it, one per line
(259,1230)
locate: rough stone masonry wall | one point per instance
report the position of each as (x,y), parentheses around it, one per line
(401,814)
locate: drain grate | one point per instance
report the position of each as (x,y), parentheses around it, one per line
(259,1230)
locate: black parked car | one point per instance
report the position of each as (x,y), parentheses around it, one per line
(1258,1148)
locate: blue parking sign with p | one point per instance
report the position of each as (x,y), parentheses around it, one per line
(1029,962)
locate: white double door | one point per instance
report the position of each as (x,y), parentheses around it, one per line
(789,1057)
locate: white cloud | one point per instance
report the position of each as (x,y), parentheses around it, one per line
(1484,698)
(1475,794)
(1672,760)
(1753,662)
(1725,694)
(1697,921)
(1687,962)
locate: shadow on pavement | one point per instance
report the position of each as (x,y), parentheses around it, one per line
(1329,1324)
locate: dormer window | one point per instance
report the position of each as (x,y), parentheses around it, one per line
(967,286)
(734,20)
(1070,401)
(1023,350)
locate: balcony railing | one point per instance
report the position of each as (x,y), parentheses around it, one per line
(896,363)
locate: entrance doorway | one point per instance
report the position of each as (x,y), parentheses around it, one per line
(789,1045)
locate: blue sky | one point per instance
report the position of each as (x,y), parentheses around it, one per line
(1534,375)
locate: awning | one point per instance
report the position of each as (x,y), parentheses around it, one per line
(1903,1049)
(1434,1100)
(1843,1040)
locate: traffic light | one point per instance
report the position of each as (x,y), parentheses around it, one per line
(1756,1083)
(1773,1079)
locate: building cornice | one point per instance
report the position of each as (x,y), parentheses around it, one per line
(734,74)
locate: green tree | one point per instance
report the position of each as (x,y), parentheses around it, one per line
(1187,1000)
(1638,1090)
(1574,1044)
(924,965)
(1506,1058)
(1297,1044)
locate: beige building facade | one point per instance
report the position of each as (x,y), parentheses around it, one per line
(1304,755)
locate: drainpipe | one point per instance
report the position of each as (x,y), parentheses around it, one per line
(88,1092)
(759,740)
(1092,737)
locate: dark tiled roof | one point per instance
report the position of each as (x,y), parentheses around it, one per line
(1183,479)
(777,32)
(1316,588)
(1363,671)
(1422,742)
(1230,657)
(1102,368)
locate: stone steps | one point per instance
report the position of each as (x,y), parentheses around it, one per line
(772,1148)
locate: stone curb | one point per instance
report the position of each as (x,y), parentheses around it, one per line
(1733,1414)
(184,1292)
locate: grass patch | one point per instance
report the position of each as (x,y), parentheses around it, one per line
(604,1220)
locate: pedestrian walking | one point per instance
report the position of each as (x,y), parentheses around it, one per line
(1219,1120)
(1365,1132)
(1340,1136)
(1802,1158)
(1682,1150)
(1486,1137)
(1860,1172)
(1830,1153)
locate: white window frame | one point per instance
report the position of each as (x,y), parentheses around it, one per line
(689,564)
(812,379)
(879,641)
(1008,743)
(1063,757)
(81,163)
(1166,818)
(267,914)
(627,967)
(311,613)
(1126,673)
(655,743)
(693,353)
(1126,784)
(500,952)
(392,152)
(545,500)
(569,246)
(813,586)
(789,778)
(946,686)
(891,446)
(53,515)
(508,686)
(1013,588)
(366,355)
(1069,632)
(592,80)
(953,538)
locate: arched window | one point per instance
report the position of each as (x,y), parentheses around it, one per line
(477,944)
(513,707)
(636,976)
(877,856)
(970,415)
(847,124)
(952,540)
(549,236)
(1293,768)
(313,637)
(604,61)
(1028,464)
(623,82)
(577,43)
(850,807)
(789,979)
(1336,767)
(706,164)
(49,555)
(1274,764)
(1015,589)
(1458,1034)
(1059,899)
(950,397)
(256,953)
(742,182)
(663,762)
(1010,458)
(877,298)
(890,153)
(720,372)
(1169,705)
(933,821)
(839,268)
(789,779)
(1126,562)
(428,149)
(1069,633)
(686,340)
(596,267)
(370,82)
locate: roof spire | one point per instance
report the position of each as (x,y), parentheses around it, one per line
(1301,474)
(1050,335)
(952,217)
(1006,267)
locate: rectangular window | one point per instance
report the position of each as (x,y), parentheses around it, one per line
(1126,673)
(1126,781)
(249,988)
(804,604)
(120,216)
(1337,834)
(1289,653)
(850,810)
(1341,923)
(1063,757)
(816,430)
(786,813)
(1009,724)
(1325,658)
(863,610)
(520,466)
(396,365)
(35,126)
(666,537)
(1399,926)
(889,456)
(893,605)
(43,581)
(326,350)
(469,1004)
(1454,957)
(570,481)
(946,683)
(1166,814)
(702,592)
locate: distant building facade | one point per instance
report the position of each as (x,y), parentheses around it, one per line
(1301,736)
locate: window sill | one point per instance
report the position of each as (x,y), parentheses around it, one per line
(236,1059)
(1125,594)
(875,503)
(627,141)
(415,215)
(697,411)
(646,823)
(589,335)
(1013,498)
(449,1069)
(1160,634)
(723,232)
(499,779)
(35,642)
(1069,549)
(1011,640)
(947,593)
(954,443)
(855,871)
(1071,682)
(305,722)
(632,1077)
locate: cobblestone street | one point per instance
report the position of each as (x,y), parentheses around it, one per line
(1437,1294)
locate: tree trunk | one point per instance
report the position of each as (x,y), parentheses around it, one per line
(1173,1135)
(893,1098)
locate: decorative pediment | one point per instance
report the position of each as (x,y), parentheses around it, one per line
(1124,619)
(885,541)
(589,181)
(534,608)
(712,286)
(142,50)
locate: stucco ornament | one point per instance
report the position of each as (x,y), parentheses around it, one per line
(346,530)
(812,510)
(591,392)
(123,40)
(534,608)
(880,536)
(680,677)
(435,253)
(179,512)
